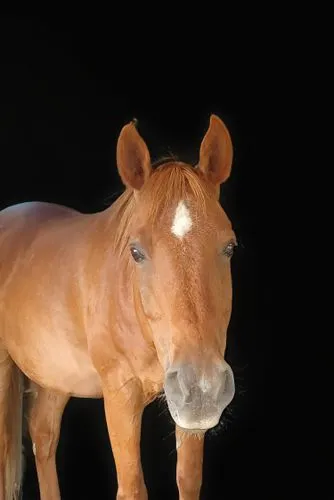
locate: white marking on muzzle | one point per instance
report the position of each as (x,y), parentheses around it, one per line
(204,384)
(182,222)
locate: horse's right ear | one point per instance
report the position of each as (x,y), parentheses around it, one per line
(133,157)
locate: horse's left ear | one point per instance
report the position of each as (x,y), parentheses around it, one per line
(216,152)
(133,157)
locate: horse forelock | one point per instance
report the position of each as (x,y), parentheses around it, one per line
(169,183)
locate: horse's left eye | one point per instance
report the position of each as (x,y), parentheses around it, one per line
(229,249)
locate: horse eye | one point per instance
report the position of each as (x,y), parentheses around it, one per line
(137,255)
(229,249)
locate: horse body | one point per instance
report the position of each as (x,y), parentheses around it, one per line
(46,251)
(120,305)
(37,264)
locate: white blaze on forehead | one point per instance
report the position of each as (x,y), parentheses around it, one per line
(182,220)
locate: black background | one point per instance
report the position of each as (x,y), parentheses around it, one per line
(69,84)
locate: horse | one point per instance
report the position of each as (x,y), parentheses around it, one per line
(124,304)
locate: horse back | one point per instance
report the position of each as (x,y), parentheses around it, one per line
(32,235)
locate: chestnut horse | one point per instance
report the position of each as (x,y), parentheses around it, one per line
(120,305)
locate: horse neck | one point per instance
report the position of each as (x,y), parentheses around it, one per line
(114,270)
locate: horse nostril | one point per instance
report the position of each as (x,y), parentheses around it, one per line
(175,385)
(171,377)
(172,382)
(225,380)
(226,389)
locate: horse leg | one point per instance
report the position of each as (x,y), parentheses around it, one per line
(189,464)
(11,404)
(44,421)
(124,409)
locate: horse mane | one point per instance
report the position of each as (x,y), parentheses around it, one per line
(170,180)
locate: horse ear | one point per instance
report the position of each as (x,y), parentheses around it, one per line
(133,157)
(216,152)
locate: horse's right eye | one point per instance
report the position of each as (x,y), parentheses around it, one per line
(137,255)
